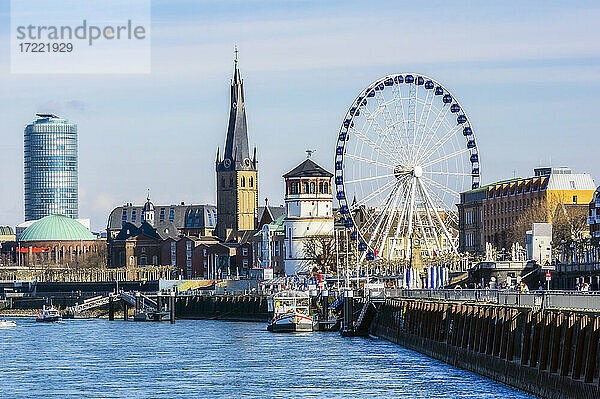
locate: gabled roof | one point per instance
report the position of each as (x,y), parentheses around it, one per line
(130,230)
(308,169)
(267,214)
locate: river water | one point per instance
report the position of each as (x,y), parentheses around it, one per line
(214,359)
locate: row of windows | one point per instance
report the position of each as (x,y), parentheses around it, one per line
(308,188)
(242,182)
(508,206)
(51,127)
(469,240)
(500,224)
(133,215)
(194,217)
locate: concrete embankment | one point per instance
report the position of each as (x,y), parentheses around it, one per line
(548,353)
(229,307)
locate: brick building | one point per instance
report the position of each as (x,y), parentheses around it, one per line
(594,214)
(487,214)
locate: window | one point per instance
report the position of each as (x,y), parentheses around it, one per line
(155,260)
(321,188)
(251,182)
(325,188)
(173,254)
(245,251)
(574,199)
(197,220)
(143,260)
(188,254)
(133,216)
(294,188)
(131,261)
(243,181)
(305,187)
(572,182)
(222,182)
(312,187)
(124,217)
(231,182)
(171,215)
(162,214)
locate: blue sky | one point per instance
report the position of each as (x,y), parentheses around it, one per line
(527,73)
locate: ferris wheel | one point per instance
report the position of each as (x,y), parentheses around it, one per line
(405,152)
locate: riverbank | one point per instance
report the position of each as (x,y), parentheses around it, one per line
(551,354)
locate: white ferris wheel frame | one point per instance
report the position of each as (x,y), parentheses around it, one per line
(409,162)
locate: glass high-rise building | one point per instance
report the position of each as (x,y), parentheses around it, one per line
(50,167)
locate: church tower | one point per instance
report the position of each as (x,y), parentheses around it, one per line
(237,175)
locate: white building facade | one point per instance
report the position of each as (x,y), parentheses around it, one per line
(308,213)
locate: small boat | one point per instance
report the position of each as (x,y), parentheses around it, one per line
(152,316)
(7,323)
(291,312)
(48,315)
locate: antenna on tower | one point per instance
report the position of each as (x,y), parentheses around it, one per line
(236,55)
(148,196)
(309,153)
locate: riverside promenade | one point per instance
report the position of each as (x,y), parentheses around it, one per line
(543,343)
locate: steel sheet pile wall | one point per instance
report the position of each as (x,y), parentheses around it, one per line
(551,354)
(243,307)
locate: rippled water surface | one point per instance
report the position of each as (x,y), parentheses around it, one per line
(197,358)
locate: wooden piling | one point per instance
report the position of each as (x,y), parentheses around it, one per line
(111,308)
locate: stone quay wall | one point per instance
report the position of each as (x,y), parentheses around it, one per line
(226,307)
(547,353)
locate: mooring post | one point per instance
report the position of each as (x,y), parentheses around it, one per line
(125,310)
(111,308)
(325,304)
(348,310)
(137,302)
(172,308)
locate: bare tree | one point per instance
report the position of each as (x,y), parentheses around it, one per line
(568,220)
(320,251)
(94,260)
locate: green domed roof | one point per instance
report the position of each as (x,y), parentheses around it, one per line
(56,228)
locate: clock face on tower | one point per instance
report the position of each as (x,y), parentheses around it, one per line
(247,162)
(227,162)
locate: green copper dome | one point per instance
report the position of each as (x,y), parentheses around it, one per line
(56,228)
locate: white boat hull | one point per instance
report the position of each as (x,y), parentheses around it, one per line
(291,322)
(7,324)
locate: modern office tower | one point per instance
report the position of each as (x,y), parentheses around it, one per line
(50,168)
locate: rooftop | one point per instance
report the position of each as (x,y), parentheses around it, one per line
(308,169)
(56,228)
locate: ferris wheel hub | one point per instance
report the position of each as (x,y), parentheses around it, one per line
(417,171)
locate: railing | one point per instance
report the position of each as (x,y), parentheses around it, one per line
(543,299)
(96,302)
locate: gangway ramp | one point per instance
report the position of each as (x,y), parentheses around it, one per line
(89,304)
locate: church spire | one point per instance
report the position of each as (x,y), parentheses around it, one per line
(237,152)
